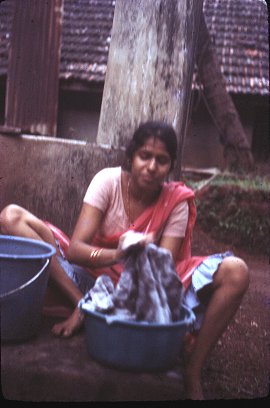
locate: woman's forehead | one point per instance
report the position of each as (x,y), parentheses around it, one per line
(154,142)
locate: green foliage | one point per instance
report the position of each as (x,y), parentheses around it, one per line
(237,211)
(244,182)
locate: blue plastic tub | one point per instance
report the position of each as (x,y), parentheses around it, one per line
(23,282)
(136,346)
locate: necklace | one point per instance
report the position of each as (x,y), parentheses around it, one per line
(129,210)
(128,202)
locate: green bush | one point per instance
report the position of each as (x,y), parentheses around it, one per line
(237,211)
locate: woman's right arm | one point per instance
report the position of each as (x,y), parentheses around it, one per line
(80,248)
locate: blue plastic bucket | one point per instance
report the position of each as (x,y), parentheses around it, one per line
(136,346)
(23,282)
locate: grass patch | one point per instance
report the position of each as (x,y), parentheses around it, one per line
(245,183)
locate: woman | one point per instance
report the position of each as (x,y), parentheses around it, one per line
(138,197)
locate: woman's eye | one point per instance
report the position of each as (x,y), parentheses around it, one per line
(163,160)
(145,156)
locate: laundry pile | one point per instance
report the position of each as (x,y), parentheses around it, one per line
(148,290)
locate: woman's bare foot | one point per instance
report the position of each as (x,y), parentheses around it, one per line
(70,326)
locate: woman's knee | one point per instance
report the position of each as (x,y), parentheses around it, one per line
(235,272)
(9,217)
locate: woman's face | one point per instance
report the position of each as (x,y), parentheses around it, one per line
(151,164)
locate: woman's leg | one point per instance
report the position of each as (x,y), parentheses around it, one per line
(229,286)
(15,220)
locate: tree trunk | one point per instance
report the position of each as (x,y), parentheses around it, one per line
(237,150)
(150,67)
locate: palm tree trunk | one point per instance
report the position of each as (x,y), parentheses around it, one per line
(237,150)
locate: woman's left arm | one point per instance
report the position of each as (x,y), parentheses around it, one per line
(176,225)
(172,244)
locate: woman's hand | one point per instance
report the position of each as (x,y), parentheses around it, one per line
(132,238)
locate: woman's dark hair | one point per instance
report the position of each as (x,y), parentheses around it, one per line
(160,130)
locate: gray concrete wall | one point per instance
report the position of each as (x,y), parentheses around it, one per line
(49,176)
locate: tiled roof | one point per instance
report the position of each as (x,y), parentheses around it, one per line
(6,12)
(86,37)
(239,29)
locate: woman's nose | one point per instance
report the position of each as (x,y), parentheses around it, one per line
(152,164)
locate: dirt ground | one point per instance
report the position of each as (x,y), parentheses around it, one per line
(239,366)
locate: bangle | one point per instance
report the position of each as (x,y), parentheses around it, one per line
(94,255)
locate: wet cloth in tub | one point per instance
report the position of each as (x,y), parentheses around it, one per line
(148,290)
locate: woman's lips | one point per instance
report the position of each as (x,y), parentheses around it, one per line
(148,179)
